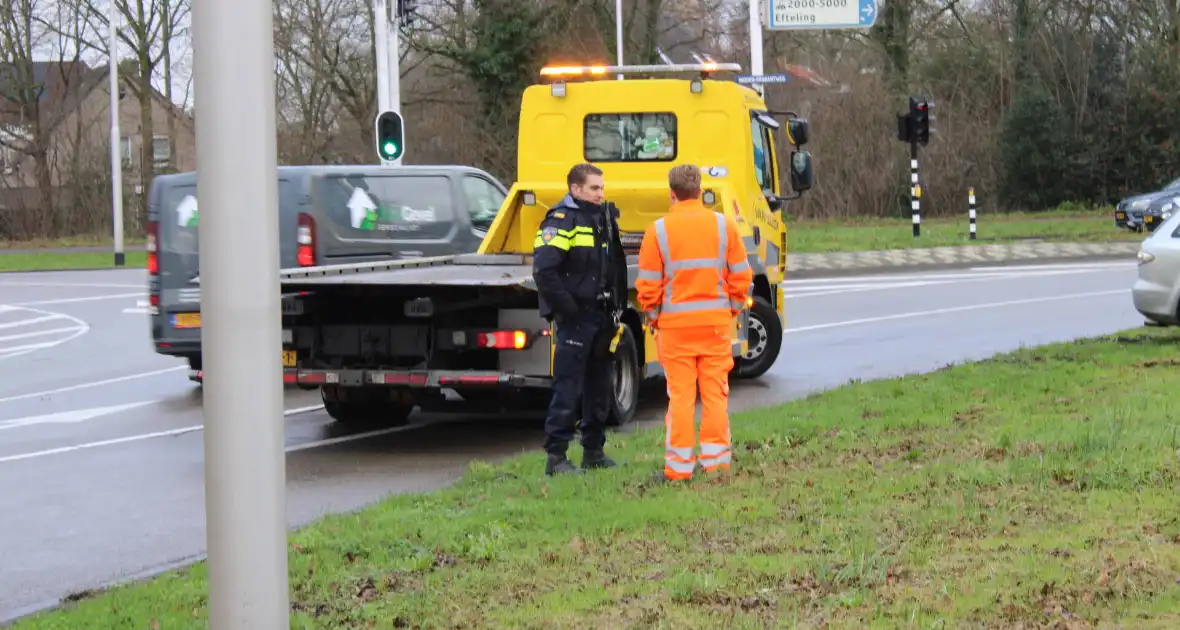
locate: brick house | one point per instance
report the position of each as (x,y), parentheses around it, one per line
(73,113)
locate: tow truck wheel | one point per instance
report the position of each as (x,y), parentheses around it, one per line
(625,379)
(365,407)
(765,340)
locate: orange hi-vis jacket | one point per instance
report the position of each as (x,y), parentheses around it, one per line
(693,269)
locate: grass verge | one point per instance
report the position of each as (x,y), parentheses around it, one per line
(1035,489)
(50,260)
(821,236)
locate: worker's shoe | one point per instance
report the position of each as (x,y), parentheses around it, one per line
(561,465)
(597,459)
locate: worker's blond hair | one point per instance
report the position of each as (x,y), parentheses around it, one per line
(685,181)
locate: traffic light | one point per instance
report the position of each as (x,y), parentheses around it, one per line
(405,10)
(390,136)
(920,117)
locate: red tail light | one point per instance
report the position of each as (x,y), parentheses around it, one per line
(305,237)
(153,259)
(503,339)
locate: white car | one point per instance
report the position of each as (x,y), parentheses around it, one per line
(1157,291)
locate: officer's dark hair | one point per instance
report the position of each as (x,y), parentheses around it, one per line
(579,173)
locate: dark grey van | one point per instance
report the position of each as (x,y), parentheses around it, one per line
(327,215)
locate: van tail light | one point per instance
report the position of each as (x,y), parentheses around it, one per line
(153,257)
(305,237)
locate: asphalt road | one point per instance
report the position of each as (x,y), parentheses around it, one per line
(101,444)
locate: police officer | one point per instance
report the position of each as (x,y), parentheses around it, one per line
(581,275)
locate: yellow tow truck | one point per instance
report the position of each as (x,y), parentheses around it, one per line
(381,338)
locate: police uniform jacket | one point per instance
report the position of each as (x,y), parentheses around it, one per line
(572,253)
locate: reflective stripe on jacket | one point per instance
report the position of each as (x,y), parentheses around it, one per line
(693,269)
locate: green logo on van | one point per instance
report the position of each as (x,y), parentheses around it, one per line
(186,212)
(366,214)
(362,210)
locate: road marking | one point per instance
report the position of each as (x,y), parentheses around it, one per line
(976,272)
(72,300)
(141,307)
(953,309)
(80,285)
(108,381)
(1094,265)
(184,430)
(816,291)
(70,417)
(80,328)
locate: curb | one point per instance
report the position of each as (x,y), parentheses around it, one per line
(951,257)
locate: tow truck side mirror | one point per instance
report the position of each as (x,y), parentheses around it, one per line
(775,202)
(798,132)
(801,173)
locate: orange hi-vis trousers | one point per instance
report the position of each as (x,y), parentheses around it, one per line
(696,357)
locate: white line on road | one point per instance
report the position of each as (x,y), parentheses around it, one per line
(141,306)
(79,285)
(1094,265)
(197,427)
(10,352)
(41,333)
(26,322)
(953,309)
(974,272)
(837,289)
(108,381)
(82,299)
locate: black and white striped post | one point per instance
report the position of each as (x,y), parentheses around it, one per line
(915,190)
(971,205)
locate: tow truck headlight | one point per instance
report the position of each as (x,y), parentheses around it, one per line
(709,198)
(696,86)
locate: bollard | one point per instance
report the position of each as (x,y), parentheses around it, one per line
(915,191)
(971,205)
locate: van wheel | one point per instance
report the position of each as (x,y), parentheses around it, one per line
(625,380)
(765,339)
(367,408)
(194,362)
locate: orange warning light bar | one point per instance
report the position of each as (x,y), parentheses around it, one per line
(577,71)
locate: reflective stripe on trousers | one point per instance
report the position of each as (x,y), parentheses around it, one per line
(718,263)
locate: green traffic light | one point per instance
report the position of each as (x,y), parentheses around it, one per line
(389,148)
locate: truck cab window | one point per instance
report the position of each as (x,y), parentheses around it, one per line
(639,137)
(483,201)
(762,170)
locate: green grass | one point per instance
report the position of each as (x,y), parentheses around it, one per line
(846,235)
(1035,489)
(46,261)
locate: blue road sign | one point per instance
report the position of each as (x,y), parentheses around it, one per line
(757,79)
(820,15)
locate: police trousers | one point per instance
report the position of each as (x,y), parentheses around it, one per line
(698,357)
(579,375)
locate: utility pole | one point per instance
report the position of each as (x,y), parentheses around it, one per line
(381,44)
(619,36)
(116,144)
(756,42)
(245,474)
(394,64)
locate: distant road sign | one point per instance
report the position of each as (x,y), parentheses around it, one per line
(818,15)
(757,79)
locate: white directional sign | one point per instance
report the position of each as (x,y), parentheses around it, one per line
(818,15)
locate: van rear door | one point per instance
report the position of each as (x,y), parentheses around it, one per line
(373,216)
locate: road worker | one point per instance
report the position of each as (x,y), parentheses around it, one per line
(580,271)
(693,281)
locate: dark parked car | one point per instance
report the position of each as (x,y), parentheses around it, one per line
(1131,212)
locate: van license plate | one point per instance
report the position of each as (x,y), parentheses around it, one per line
(186,320)
(290,358)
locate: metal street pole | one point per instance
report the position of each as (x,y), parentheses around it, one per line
(619,35)
(756,42)
(116,145)
(381,45)
(394,69)
(245,475)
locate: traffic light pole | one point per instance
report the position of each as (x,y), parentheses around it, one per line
(394,70)
(245,464)
(381,44)
(915,190)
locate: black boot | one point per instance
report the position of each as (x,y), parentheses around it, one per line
(596,459)
(559,464)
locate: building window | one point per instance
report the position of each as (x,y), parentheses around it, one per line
(645,137)
(161,149)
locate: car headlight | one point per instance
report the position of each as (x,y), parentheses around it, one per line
(1144,257)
